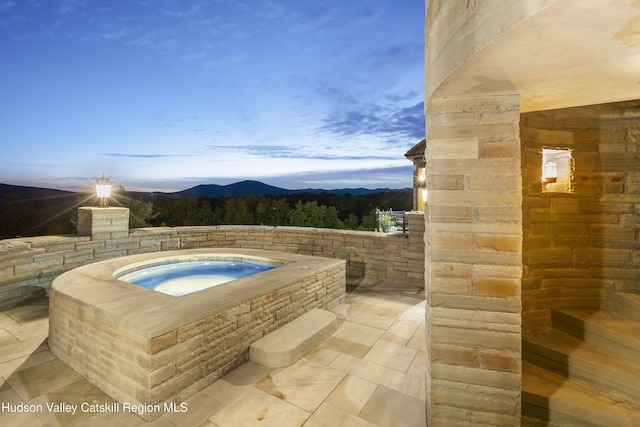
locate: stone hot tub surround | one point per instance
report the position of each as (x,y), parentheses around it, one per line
(144,347)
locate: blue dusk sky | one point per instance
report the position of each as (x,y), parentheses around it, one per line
(167,94)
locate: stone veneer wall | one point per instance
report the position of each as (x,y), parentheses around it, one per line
(581,245)
(171,367)
(473,244)
(28,265)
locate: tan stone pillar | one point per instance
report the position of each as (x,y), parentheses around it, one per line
(473,260)
(103,223)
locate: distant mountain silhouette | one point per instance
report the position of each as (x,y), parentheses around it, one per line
(238,189)
(32,193)
(257,188)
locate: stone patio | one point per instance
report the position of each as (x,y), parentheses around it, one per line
(369,372)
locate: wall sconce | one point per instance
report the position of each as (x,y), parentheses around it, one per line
(557,170)
(103,191)
(550,172)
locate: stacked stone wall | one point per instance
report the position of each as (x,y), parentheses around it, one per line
(581,245)
(29,265)
(473,244)
(171,367)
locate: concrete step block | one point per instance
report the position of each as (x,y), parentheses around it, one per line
(612,332)
(559,401)
(581,361)
(287,345)
(625,304)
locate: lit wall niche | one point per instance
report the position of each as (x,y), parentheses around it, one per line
(557,170)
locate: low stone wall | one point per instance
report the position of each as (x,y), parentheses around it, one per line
(148,350)
(29,265)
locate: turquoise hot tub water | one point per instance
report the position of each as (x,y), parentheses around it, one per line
(185,277)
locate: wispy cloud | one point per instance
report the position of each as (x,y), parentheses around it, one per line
(146,156)
(378,120)
(295,152)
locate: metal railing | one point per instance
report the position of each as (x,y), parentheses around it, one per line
(391,221)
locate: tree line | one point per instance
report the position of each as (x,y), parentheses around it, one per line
(325,210)
(27,217)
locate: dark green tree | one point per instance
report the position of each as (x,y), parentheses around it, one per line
(237,212)
(271,211)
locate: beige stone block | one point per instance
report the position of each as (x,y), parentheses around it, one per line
(495,182)
(501,271)
(452,214)
(474,103)
(454,355)
(450,397)
(490,304)
(447,182)
(454,286)
(507,148)
(498,243)
(466,148)
(553,137)
(482,377)
(446,269)
(451,241)
(506,167)
(162,342)
(478,131)
(475,198)
(472,318)
(495,287)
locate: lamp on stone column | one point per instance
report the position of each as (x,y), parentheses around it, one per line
(103,190)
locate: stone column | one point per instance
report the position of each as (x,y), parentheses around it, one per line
(473,260)
(103,223)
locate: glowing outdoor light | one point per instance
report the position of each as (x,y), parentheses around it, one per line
(550,172)
(103,190)
(422,176)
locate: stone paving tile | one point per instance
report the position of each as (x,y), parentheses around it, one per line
(417,341)
(23,348)
(382,375)
(418,366)
(391,355)
(6,321)
(330,416)
(358,333)
(381,317)
(43,378)
(35,310)
(75,394)
(352,394)
(6,338)
(199,407)
(20,418)
(257,408)
(390,408)
(370,372)
(11,366)
(305,384)
(399,333)
(321,355)
(340,346)
(236,383)
(34,328)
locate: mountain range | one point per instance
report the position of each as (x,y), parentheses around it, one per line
(238,189)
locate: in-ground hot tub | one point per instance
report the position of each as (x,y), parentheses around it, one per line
(147,348)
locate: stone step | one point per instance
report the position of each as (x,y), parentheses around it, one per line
(288,344)
(606,329)
(625,304)
(581,361)
(559,401)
